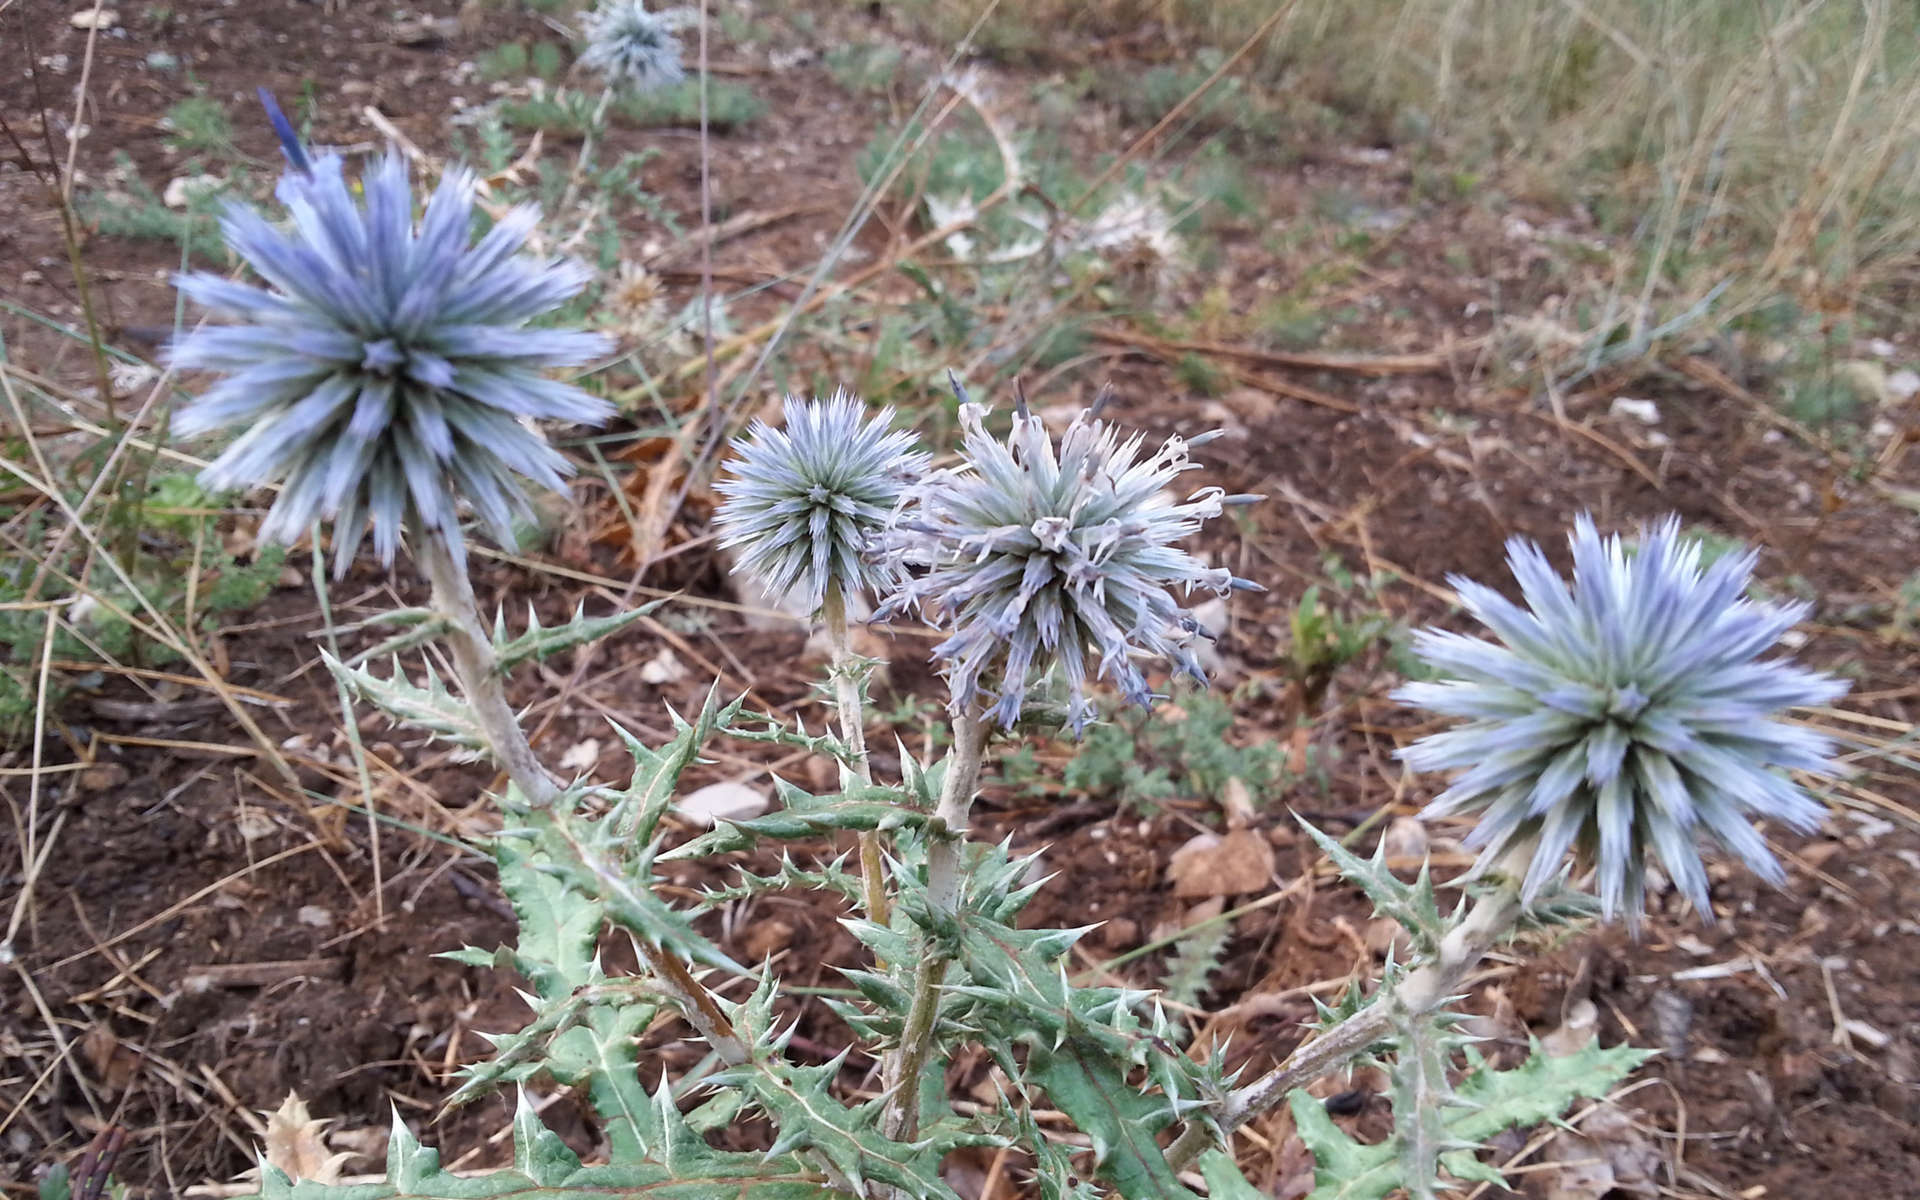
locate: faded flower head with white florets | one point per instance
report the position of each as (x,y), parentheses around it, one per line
(1627,716)
(1043,557)
(387,371)
(632,47)
(807,502)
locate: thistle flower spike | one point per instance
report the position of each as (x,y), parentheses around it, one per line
(807,502)
(631,47)
(1625,717)
(386,372)
(1045,556)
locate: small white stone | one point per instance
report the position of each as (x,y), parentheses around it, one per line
(664,667)
(254,824)
(1644,411)
(582,756)
(1903,384)
(94,18)
(730,801)
(183,190)
(1881,348)
(314,915)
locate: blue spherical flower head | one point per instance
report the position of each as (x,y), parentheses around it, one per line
(632,47)
(1629,715)
(386,372)
(1043,556)
(808,502)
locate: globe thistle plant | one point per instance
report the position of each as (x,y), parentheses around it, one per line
(631,47)
(1627,715)
(808,502)
(1043,556)
(386,372)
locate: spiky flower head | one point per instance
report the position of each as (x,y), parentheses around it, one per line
(1627,716)
(809,501)
(386,371)
(1043,556)
(632,47)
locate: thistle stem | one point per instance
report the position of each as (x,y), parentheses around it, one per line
(585,162)
(1423,990)
(949,828)
(900,1073)
(852,716)
(479,671)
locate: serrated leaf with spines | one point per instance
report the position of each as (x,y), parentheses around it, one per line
(804,817)
(584,1028)
(544,1169)
(1539,1089)
(832,878)
(1412,906)
(1084,1083)
(638,807)
(433,708)
(799,1101)
(1224,1180)
(538,642)
(771,731)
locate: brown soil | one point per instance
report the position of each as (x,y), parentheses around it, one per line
(207,937)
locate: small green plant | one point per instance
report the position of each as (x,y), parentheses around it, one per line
(1142,759)
(507,61)
(129,208)
(865,69)
(198,126)
(1903,624)
(730,106)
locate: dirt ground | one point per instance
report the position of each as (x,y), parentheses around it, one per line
(206,936)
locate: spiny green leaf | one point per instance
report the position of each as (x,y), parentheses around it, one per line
(656,772)
(1539,1089)
(1224,1180)
(800,1103)
(545,1170)
(1412,905)
(538,1152)
(431,708)
(789,876)
(538,642)
(1083,1083)
(863,809)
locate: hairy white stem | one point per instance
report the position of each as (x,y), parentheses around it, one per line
(949,828)
(479,673)
(900,1073)
(1424,989)
(853,733)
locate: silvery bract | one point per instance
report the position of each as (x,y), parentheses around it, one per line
(632,47)
(1042,558)
(385,372)
(808,501)
(1626,715)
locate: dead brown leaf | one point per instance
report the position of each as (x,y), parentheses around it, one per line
(1213,865)
(297,1144)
